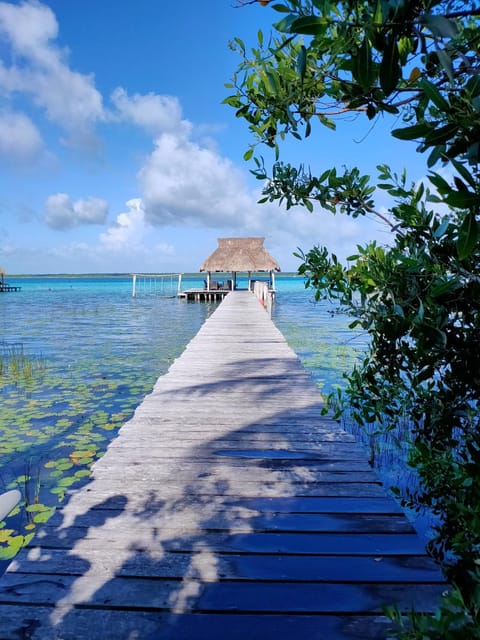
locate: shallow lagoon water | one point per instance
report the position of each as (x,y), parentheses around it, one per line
(93,352)
(78,355)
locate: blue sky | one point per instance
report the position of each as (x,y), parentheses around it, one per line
(116,154)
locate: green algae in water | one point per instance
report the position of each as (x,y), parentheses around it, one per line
(98,355)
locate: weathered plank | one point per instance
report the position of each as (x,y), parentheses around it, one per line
(137,593)
(314,504)
(114,624)
(228,507)
(284,568)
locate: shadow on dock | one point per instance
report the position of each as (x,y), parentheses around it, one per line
(228,507)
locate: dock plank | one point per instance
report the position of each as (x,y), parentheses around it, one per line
(227,507)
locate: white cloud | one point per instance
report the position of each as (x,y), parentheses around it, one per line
(130,234)
(182,182)
(154,113)
(185,184)
(128,229)
(40,70)
(61,212)
(29,25)
(20,140)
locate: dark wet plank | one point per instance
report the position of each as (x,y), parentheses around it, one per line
(112,624)
(221,596)
(276,567)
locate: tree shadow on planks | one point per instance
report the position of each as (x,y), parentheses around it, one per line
(259,518)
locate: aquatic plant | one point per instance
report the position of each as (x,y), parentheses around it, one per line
(56,423)
(16,366)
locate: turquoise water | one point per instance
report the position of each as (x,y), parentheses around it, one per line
(78,354)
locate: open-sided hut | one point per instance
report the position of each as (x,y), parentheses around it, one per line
(240,255)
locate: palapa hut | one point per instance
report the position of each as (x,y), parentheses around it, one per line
(240,255)
(4,286)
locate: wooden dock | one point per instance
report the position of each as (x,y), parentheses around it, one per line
(5,288)
(204,295)
(226,509)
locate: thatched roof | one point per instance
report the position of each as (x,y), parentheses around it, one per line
(240,255)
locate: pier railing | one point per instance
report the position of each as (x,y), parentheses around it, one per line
(265,294)
(162,284)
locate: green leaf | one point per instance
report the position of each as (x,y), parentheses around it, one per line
(444,287)
(362,68)
(241,44)
(446,63)
(464,172)
(437,153)
(441,135)
(433,94)
(440,183)
(309,25)
(440,230)
(378,16)
(413,132)
(473,86)
(462,199)
(397,309)
(389,108)
(280,8)
(441,26)
(468,235)
(302,62)
(284,26)
(248,154)
(390,71)
(273,81)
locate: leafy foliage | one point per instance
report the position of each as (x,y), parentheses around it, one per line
(418,297)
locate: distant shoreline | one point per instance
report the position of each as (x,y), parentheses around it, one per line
(286,274)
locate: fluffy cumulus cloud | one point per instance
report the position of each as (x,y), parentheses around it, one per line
(20,140)
(155,113)
(61,212)
(186,184)
(128,229)
(182,182)
(130,234)
(40,69)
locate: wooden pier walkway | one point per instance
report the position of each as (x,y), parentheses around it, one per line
(226,509)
